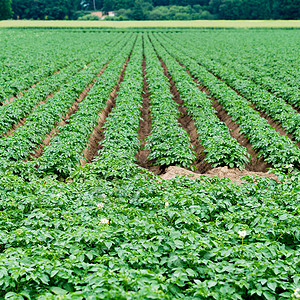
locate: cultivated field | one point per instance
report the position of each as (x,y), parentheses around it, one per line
(92,120)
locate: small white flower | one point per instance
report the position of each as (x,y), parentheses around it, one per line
(242,233)
(104,221)
(103,196)
(289,166)
(167,204)
(297,292)
(100,205)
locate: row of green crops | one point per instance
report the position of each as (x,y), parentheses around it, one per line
(168,142)
(273,106)
(121,144)
(64,153)
(220,147)
(45,117)
(276,149)
(25,63)
(114,230)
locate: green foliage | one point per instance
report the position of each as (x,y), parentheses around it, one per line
(120,145)
(64,153)
(5,9)
(159,9)
(44,10)
(114,230)
(139,237)
(89,17)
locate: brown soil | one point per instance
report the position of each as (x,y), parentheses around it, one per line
(93,146)
(39,151)
(145,128)
(222,172)
(188,124)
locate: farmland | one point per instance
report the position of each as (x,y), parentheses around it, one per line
(91,120)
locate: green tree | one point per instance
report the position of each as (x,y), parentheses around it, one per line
(138,12)
(289,9)
(5,9)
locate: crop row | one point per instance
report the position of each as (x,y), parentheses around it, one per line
(273,106)
(168,142)
(276,149)
(64,152)
(41,61)
(120,145)
(13,112)
(44,118)
(220,147)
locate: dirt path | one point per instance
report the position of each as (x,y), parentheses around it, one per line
(145,127)
(222,172)
(93,146)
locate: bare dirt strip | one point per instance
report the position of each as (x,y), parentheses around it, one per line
(233,174)
(93,146)
(39,151)
(256,164)
(145,127)
(188,124)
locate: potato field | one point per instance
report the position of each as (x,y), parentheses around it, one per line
(93,122)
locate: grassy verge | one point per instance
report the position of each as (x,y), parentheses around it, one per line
(151,24)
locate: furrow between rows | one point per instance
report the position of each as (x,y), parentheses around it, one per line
(275,124)
(145,125)
(91,151)
(188,124)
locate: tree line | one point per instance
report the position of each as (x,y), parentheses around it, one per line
(152,9)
